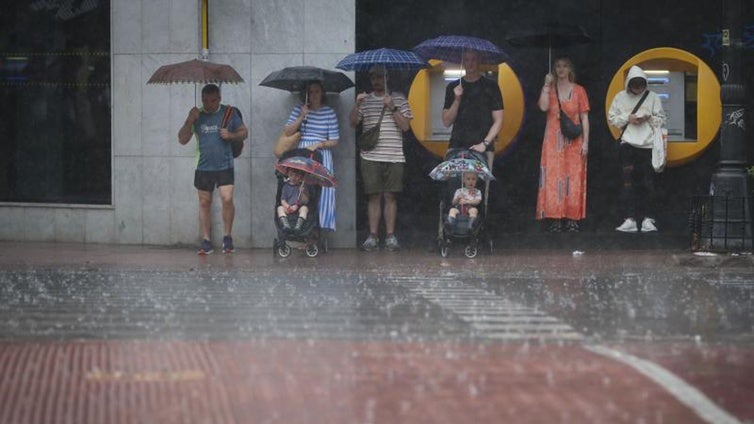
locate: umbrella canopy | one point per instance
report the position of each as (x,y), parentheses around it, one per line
(315,172)
(456,167)
(450,48)
(389,58)
(195,71)
(295,79)
(552,35)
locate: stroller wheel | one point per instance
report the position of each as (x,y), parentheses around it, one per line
(471,251)
(284,250)
(444,250)
(312,250)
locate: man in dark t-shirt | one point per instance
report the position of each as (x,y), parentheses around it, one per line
(474,106)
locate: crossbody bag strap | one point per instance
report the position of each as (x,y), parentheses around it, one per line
(557,96)
(382,115)
(226,116)
(636,108)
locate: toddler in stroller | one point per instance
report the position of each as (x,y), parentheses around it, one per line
(463,222)
(297,208)
(294,198)
(465,200)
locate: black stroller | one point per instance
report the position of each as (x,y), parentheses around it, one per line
(309,235)
(460,232)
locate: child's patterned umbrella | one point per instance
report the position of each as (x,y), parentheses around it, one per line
(315,172)
(456,167)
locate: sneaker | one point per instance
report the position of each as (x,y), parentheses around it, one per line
(572,226)
(228,244)
(648,225)
(391,243)
(628,226)
(370,244)
(206,248)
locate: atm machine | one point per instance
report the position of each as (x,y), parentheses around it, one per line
(670,86)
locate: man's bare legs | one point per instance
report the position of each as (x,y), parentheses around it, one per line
(205,206)
(229,209)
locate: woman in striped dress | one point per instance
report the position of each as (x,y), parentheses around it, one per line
(318,125)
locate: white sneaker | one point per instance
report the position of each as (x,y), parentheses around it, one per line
(628,226)
(648,225)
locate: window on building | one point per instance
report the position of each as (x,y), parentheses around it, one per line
(55,109)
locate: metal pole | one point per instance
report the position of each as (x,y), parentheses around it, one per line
(730,178)
(205,29)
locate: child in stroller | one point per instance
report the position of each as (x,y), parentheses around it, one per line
(297,209)
(293,201)
(465,200)
(464,222)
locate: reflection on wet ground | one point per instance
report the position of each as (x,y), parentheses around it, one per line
(515,332)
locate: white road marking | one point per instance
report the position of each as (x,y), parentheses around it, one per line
(681,390)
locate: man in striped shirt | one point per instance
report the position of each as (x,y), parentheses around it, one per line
(382,167)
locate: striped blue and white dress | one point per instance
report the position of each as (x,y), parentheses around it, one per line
(320,125)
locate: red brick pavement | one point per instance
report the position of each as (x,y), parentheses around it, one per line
(278,381)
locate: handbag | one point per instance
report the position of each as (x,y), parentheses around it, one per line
(286,143)
(368,139)
(638,105)
(569,129)
(659,149)
(235,145)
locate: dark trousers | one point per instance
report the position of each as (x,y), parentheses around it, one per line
(637,196)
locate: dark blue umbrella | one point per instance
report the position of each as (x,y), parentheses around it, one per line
(389,58)
(450,48)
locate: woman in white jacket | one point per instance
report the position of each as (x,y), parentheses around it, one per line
(638,191)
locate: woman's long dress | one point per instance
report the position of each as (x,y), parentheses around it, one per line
(320,125)
(562,170)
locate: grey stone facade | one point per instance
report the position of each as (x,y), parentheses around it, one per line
(153,198)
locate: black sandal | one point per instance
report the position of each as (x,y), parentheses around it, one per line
(554,226)
(572,226)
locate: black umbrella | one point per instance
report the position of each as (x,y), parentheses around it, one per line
(553,35)
(296,78)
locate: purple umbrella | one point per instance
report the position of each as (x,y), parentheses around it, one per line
(450,48)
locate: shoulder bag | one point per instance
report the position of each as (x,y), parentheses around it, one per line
(568,128)
(368,139)
(286,143)
(235,145)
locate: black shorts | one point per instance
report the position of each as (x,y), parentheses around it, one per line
(207,180)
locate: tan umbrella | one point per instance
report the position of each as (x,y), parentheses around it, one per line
(195,71)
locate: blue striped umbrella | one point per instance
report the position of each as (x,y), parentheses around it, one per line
(450,48)
(389,58)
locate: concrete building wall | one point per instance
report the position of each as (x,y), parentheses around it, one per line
(154,201)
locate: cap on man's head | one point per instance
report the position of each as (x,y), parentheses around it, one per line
(377,70)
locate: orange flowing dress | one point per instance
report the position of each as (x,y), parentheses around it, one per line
(562,169)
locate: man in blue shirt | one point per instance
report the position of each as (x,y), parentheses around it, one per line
(214,167)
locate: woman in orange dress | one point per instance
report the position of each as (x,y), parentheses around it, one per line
(561,198)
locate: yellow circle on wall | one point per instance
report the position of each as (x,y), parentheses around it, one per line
(708,105)
(420,103)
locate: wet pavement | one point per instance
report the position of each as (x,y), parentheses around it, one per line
(137,334)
